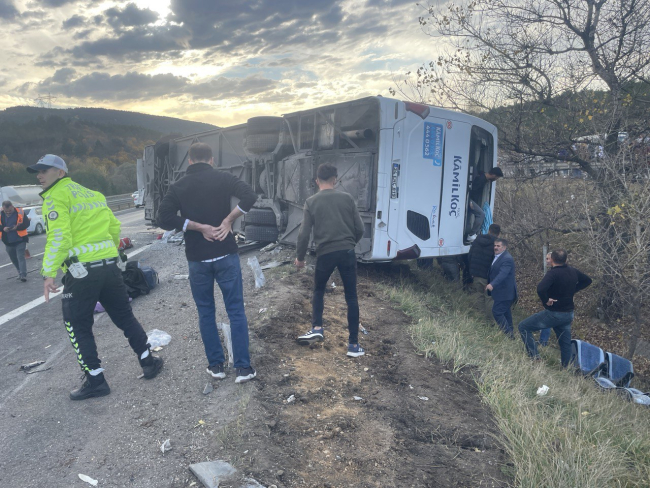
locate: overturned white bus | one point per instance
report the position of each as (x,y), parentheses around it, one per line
(408,166)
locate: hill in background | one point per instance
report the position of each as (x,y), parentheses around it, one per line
(164,125)
(100,146)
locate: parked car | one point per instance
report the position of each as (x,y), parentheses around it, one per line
(35,215)
(137,200)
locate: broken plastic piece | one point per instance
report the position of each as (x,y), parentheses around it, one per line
(182,277)
(87,479)
(363,329)
(166,446)
(542,390)
(208,388)
(225,328)
(423,398)
(157,338)
(262,310)
(260,281)
(357,398)
(291,399)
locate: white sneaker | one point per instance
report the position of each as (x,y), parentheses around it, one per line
(471,237)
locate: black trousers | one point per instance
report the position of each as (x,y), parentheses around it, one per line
(103,284)
(346,262)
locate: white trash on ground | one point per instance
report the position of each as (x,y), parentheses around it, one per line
(166,446)
(158,338)
(87,479)
(542,390)
(260,281)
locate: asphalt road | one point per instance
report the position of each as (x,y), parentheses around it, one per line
(32,420)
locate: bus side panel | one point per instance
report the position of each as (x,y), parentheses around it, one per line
(453,204)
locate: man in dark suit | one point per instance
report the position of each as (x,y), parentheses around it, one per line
(502,286)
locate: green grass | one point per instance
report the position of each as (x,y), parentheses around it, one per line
(574,437)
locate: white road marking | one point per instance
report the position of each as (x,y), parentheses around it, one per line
(40,300)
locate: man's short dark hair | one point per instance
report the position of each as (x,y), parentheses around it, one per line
(559,256)
(502,241)
(326,172)
(7,204)
(494,229)
(496,172)
(200,152)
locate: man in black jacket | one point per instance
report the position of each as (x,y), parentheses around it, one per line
(480,258)
(203,198)
(556,292)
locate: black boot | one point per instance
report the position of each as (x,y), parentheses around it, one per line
(151,366)
(92,386)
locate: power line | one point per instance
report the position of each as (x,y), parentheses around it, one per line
(44,101)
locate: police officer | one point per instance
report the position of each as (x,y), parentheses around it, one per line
(82,238)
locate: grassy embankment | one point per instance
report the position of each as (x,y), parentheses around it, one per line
(575,436)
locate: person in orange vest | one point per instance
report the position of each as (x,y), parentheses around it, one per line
(13,229)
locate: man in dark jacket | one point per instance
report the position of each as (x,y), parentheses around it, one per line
(337,226)
(203,197)
(556,292)
(476,199)
(480,259)
(13,229)
(502,286)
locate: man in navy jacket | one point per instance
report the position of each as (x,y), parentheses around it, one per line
(502,286)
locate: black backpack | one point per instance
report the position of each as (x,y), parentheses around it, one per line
(136,281)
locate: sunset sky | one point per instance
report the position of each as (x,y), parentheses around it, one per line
(213,61)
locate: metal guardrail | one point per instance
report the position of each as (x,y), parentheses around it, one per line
(119,202)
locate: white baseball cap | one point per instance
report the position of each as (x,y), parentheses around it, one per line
(46,162)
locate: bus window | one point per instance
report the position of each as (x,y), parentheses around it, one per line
(307,132)
(481,155)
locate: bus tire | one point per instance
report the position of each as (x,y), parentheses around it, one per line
(260,216)
(261,233)
(261,143)
(264,125)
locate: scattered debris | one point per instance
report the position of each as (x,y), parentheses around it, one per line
(208,388)
(262,310)
(157,338)
(333,285)
(251,483)
(275,264)
(46,347)
(27,366)
(292,398)
(201,422)
(210,473)
(260,281)
(542,390)
(366,369)
(157,348)
(166,446)
(269,247)
(357,398)
(87,479)
(182,277)
(423,398)
(363,329)
(141,376)
(411,387)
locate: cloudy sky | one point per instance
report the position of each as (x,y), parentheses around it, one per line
(216,61)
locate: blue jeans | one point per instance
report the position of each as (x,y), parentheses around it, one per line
(544,336)
(227,273)
(503,316)
(560,322)
(346,262)
(479,216)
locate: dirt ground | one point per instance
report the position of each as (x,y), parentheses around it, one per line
(389,418)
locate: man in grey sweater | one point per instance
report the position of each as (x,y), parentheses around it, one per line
(337,227)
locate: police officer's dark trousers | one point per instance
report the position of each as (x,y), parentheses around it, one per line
(103,284)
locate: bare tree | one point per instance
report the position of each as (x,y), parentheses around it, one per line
(546,72)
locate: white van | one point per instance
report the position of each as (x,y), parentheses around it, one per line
(408,166)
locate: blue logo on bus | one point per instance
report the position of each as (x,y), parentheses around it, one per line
(434,137)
